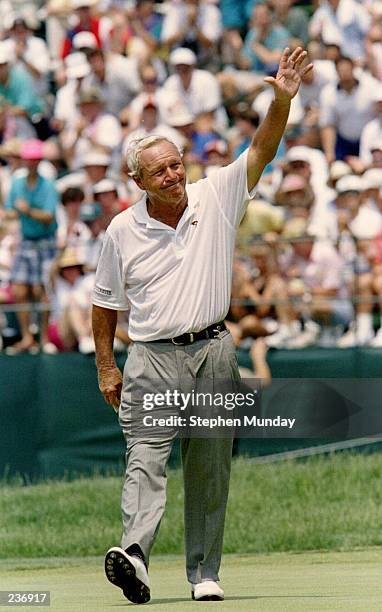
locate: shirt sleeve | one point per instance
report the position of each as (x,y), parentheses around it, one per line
(50,200)
(229,185)
(109,287)
(11,199)
(327,107)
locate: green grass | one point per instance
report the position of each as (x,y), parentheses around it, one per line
(332,503)
(280,582)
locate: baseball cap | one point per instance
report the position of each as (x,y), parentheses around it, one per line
(376,145)
(299,153)
(76,4)
(90,212)
(90,95)
(104,186)
(84,40)
(349,183)
(182,56)
(372,179)
(96,158)
(32,149)
(338,169)
(292,182)
(180,117)
(76,66)
(215,146)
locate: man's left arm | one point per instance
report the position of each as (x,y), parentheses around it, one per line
(267,138)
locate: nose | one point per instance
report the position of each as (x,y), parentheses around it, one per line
(171,175)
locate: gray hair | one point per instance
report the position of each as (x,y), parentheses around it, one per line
(135,148)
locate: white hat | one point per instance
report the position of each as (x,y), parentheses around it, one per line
(349,183)
(82,3)
(372,179)
(104,186)
(299,153)
(76,66)
(96,158)
(338,169)
(182,56)
(180,116)
(84,39)
(6,54)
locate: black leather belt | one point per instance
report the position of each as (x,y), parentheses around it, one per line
(205,334)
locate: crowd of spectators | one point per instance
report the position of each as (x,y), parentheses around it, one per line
(81,79)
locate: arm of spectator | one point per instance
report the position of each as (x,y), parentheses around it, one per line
(267,138)
(267,56)
(104,323)
(328,139)
(209,25)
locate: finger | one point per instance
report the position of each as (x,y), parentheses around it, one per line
(295,55)
(284,58)
(300,59)
(270,80)
(307,69)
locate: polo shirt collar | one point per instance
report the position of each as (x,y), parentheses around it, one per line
(141,215)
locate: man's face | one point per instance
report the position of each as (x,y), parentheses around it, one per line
(97,64)
(162,175)
(90,110)
(297,197)
(300,167)
(261,16)
(108,201)
(96,173)
(32,164)
(345,71)
(4,72)
(303,247)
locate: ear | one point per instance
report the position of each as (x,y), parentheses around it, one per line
(139,182)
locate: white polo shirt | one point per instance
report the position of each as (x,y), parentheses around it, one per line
(175,280)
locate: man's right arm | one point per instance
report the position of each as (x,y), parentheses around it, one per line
(104,321)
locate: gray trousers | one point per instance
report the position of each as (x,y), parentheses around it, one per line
(206,461)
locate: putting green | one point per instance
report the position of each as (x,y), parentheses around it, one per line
(308,582)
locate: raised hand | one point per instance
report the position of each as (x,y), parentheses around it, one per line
(288,77)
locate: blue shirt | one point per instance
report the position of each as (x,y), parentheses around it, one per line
(43,196)
(19,91)
(277,38)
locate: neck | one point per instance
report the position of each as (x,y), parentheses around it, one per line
(166,212)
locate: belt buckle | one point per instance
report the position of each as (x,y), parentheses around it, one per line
(191,335)
(216,331)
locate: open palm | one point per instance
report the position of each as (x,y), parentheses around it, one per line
(288,77)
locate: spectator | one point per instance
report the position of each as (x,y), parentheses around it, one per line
(195,89)
(115,77)
(345,110)
(91,215)
(150,124)
(194,24)
(264,42)
(106,193)
(150,90)
(95,129)
(372,132)
(85,22)
(71,231)
(314,268)
(16,86)
(31,53)
(146,26)
(66,109)
(293,19)
(70,321)
(345,21)
(33,199)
